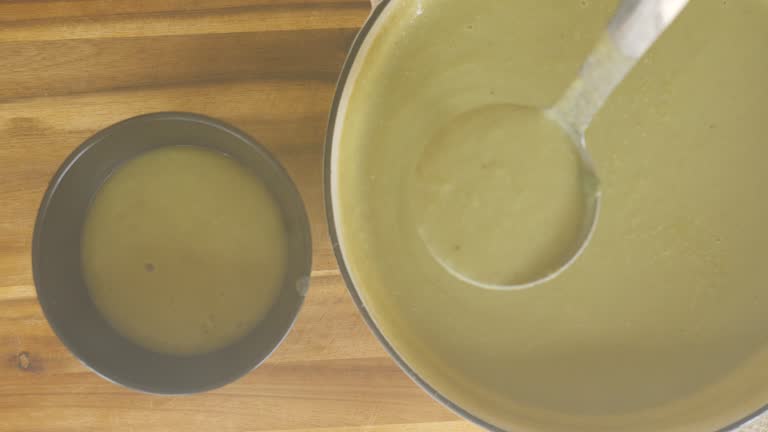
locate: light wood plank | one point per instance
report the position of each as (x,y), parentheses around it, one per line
(259,19)
(24,10)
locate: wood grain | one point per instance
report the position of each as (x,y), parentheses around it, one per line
(71,67)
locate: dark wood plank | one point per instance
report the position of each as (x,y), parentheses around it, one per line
(54,68)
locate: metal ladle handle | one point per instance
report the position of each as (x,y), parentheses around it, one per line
(633,29)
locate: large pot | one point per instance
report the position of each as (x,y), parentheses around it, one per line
(365,38)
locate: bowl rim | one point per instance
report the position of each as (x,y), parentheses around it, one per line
(65,167)
(328,193)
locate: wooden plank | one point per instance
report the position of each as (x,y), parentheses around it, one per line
(93,65)
(275,17)
(23,10)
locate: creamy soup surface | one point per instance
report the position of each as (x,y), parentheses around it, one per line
(662,323)
(508,160)
(183,250)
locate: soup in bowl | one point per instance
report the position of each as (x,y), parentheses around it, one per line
(171,253)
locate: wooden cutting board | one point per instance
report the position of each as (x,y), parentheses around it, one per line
(71,67)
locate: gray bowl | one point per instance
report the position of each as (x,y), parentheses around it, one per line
(57,270)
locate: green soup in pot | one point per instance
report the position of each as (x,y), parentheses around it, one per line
(662,323)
